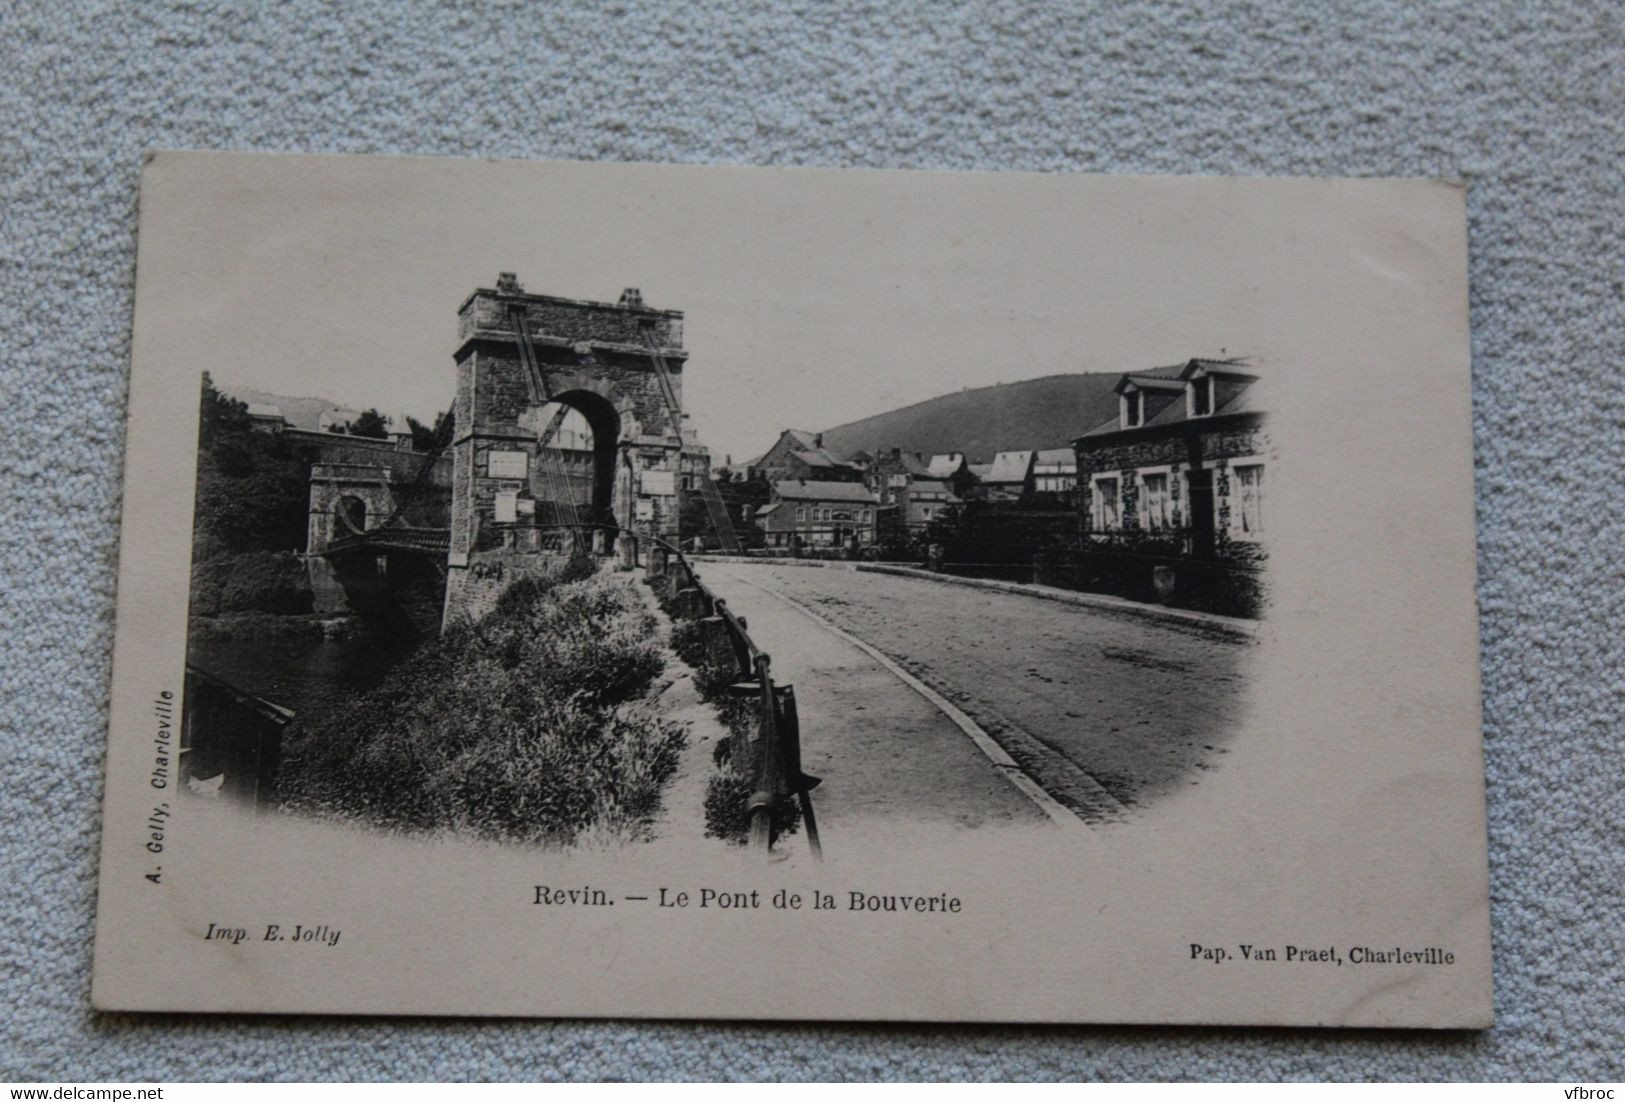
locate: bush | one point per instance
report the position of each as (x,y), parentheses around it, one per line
(714,671)
(527,725)
(727,808)
(251,581)
(729,789)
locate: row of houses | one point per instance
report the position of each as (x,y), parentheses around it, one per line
(1184,459)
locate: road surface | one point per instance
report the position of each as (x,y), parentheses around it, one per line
(1103,709)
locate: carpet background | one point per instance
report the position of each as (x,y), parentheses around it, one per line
(1526,101)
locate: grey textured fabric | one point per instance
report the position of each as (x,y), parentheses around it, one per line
(1525,101)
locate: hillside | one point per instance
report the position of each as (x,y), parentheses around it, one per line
(301,413)
(1036,413)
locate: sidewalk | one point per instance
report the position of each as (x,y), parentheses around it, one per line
(889,759)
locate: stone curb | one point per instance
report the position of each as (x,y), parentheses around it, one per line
(1234,626)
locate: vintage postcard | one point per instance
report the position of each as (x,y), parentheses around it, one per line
(715,592)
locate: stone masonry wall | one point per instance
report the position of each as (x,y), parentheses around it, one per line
(616,388)
(571,319)
(1123,457)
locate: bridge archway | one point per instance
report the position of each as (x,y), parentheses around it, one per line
(578,458)
(344,499)
(349,516)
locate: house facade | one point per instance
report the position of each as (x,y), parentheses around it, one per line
(818,514)
(801,457)
(1055,473)
(928,499)
(906,494)
(1185,460)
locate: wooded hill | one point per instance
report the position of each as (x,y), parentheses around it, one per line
(1037,413)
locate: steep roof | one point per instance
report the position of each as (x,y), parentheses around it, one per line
(946,465)
(1150,380)
(909,461)
(799,490)
(1245,400)
(800,439)
(1010,467)
(817,458)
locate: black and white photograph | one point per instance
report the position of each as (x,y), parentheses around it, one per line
(669,556)
(1029,601)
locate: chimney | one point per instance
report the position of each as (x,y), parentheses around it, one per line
(632,298)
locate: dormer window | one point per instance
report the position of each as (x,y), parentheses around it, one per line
(1201,396)
(1133,409)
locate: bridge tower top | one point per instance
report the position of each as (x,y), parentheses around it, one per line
(556,321)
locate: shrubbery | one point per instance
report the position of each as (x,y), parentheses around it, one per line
(528,725)
(262,581)
(729,789)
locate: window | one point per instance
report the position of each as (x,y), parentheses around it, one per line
(1131,409)
(1247,518)
(1154,503)
(801,514)
(1202,396)
(1104,505)
(897,481)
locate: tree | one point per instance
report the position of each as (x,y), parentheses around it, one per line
(219,412)
(369,423)
(252,488)
(426,439)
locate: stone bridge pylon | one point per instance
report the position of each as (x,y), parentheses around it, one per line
(524,361)
(357,486)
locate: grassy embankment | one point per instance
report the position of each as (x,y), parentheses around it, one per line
(530,725)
